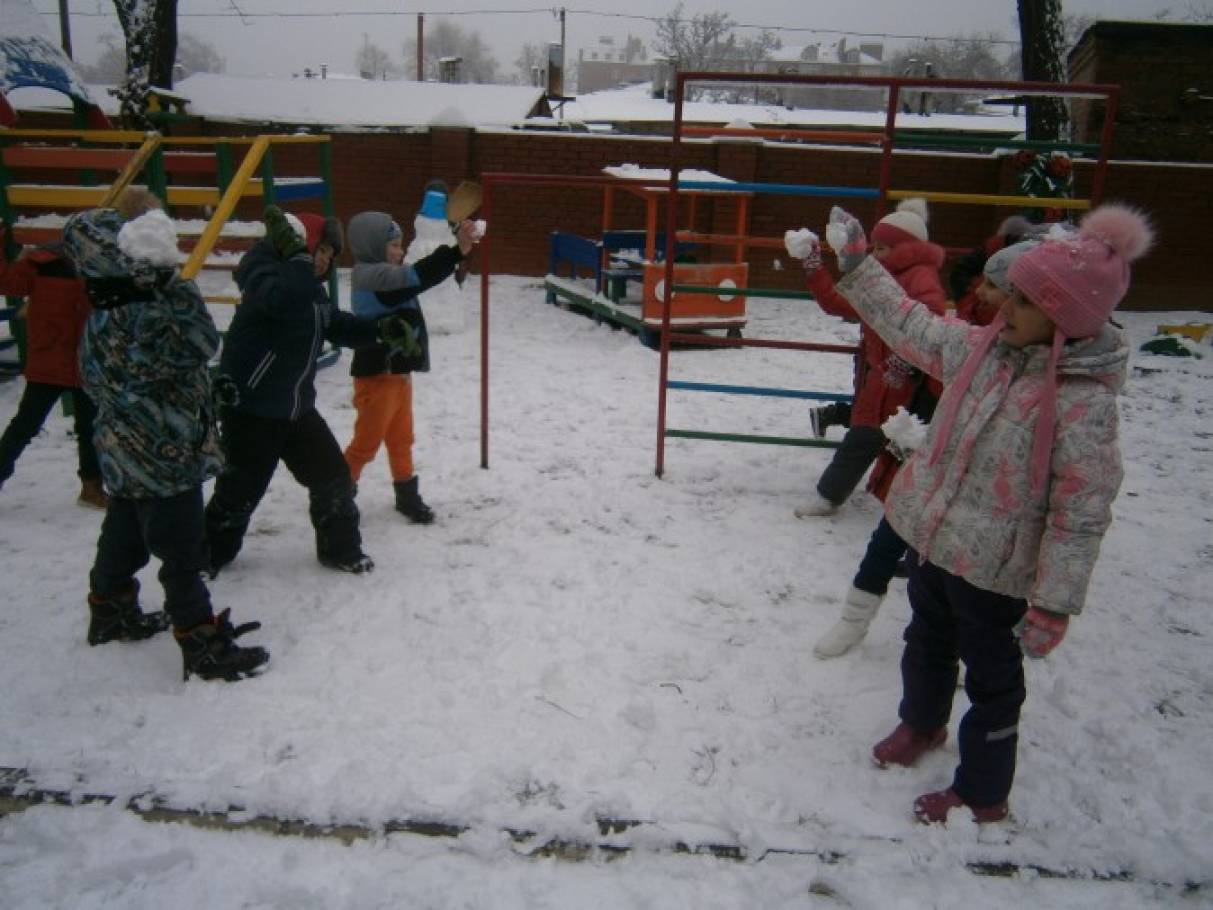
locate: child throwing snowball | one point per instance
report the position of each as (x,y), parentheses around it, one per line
(1006,503)
(383,389)
(885,548)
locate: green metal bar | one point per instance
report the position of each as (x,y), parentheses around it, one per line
(750,437)
(326,174)
(157,177)
(223,166)
(267,177)
(748,292)
(969,139)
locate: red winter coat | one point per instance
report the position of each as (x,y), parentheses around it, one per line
(58,308)
(883,381)
(881,386)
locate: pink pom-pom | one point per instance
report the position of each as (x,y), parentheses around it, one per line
(1125,230)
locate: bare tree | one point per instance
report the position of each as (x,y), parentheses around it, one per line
(703,42)
(110,66)
(1042,39)
(445,39)
(196,55)
(374,62)
(970,57)
(529,57)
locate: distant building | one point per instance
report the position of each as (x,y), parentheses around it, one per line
(863,59)
(1166,88)
(609,64)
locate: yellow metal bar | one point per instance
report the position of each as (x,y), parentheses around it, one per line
(226,206)
(133,167)
(222,298)
(49,197)
(1036,202)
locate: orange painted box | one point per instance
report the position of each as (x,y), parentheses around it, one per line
(728,302)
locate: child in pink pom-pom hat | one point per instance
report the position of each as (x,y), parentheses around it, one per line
(1006,503)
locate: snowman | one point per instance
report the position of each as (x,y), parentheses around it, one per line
(446,309)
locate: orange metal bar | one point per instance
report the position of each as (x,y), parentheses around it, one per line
(739,240)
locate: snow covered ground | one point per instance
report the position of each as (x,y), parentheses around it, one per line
(576,639)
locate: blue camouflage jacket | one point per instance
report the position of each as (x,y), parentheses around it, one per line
(143,362)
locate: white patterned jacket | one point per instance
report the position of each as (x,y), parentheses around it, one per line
(973,512)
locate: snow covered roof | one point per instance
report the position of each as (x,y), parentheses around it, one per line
(634,104)
(356,102)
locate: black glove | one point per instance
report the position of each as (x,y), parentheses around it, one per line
(286,239)
(225,391)
(399,334)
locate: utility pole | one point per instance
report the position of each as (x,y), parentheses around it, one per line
(65,28)
(421,47)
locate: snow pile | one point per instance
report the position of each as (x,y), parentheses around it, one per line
(150,238)
(636,172)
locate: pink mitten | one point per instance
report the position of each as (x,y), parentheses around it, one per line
(1040,631)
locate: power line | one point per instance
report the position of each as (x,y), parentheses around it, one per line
(237,13)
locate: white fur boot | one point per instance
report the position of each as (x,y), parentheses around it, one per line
(852,626)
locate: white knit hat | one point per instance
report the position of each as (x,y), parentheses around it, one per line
(908,223)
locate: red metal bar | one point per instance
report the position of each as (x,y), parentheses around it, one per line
(486,208)
(724,342)
(1105,143)
(731,240)
(777,133)
(1097,90)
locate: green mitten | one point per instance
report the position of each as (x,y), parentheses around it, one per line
(286,239)
(399,334)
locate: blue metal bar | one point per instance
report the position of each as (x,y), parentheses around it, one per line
(755,390)
(781,189)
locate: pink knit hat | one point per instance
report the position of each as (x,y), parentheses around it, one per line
(906,225)
(1079,280)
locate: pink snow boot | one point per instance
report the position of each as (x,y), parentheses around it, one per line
(933,808)
(905,745)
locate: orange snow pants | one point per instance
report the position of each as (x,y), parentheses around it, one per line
(385,416)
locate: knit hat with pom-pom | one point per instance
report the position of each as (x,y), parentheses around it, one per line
(906,225)
(1079,280)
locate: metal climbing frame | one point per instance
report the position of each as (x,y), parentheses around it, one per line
(886,139)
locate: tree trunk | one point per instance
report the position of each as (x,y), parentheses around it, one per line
(1042,40)
(150,30)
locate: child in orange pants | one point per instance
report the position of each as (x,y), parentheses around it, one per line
(383,391)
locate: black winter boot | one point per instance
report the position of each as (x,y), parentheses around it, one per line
(210,650)
(409,502)
(117,617)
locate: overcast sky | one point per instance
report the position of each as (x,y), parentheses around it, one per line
(279,37)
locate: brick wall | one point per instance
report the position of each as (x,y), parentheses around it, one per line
(388,171)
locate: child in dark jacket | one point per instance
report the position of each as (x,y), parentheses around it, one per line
(55,314)
(269,369)
(383,390)
(143,361)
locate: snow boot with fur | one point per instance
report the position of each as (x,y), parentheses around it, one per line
(409,502)
(118,617)
(209,650)
(817,507)
(852,626)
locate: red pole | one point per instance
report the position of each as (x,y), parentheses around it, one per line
(486,207)
(1105,146)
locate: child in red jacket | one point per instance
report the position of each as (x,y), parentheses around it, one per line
(56,312)
(883,381)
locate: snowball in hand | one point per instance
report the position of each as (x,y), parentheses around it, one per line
(905,431)
(150,238)
(478,228)
(800,243)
